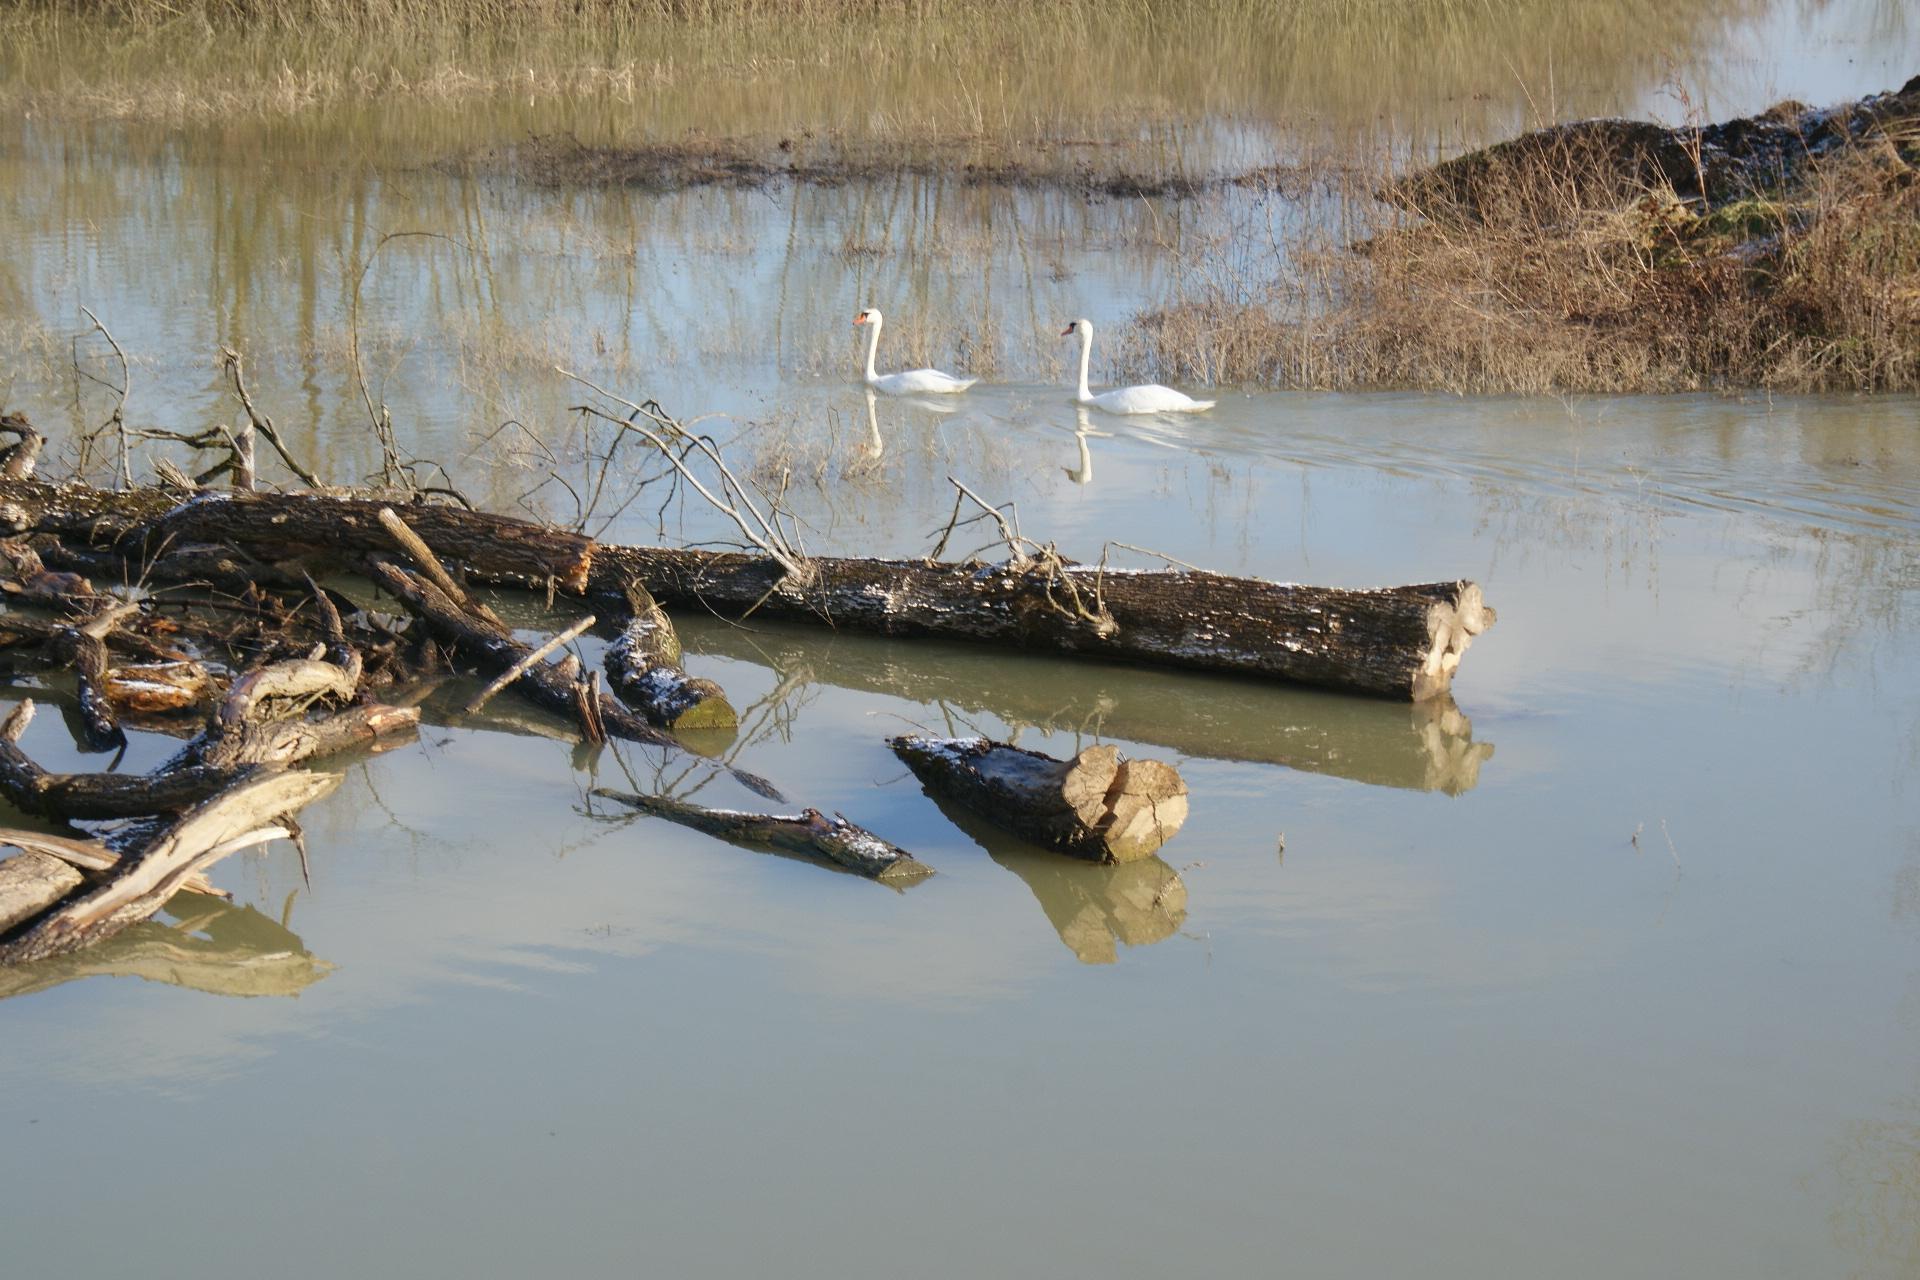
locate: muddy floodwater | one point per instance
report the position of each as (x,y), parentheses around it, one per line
(1609,966)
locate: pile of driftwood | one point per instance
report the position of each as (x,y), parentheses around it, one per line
(259,631)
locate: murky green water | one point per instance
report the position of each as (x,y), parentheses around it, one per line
(1608,970)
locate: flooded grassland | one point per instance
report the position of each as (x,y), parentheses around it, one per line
(1605,966)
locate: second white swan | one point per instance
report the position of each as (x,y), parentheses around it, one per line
(1148,398)
(911,381)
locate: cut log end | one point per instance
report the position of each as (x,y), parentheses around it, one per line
(1451,627)
(1096,806)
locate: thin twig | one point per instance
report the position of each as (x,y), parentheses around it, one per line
(527,664)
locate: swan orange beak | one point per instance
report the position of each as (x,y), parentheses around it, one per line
(1064,332)
(861,318)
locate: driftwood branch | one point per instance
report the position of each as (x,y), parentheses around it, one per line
(244,815)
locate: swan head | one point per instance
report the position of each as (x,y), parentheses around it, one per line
(870,315)
(1077,326)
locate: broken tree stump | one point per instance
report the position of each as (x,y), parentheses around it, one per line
(643,666)
(1096,806)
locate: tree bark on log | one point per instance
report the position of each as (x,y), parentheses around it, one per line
(809,832)
(332,529)
(87,656)
(1397,642)
(1096,806)
(643,666)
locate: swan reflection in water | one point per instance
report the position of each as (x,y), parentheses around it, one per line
(1083,429)
(871,449)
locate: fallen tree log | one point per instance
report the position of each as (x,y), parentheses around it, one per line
(643,666)
(809,832)
(91,857)
(1095,806)
(292,525)
(246,814)
(1398,642)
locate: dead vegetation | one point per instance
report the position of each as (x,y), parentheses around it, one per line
(1779,252)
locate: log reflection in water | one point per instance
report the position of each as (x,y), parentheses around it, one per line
(1421,746)
(212,946)
(1092,907)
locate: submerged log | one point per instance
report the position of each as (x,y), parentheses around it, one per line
(1398,642)
(1096,806)
(809,832)
(643,666)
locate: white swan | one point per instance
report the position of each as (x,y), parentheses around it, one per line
(912,381)
(1150,398)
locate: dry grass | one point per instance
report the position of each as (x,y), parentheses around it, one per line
(1567,279)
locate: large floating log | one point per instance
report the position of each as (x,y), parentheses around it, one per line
(1398,642)
(809,832)
(1095,806)
(293,525)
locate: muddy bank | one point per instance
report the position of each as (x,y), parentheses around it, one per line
(1778,251)
(1762,156)
(699,160)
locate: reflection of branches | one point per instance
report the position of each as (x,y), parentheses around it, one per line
(392,466)
(117,420)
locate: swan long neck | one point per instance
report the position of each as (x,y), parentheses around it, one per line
(1086,355)
(873,345)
